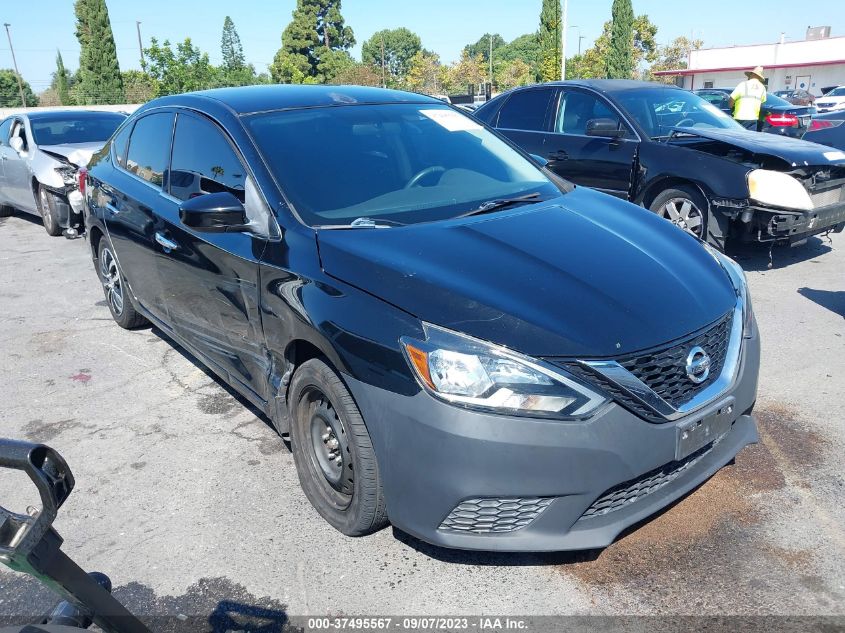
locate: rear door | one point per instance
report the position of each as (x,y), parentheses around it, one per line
(525,117)
(211,280)
(598,162)
(129,203)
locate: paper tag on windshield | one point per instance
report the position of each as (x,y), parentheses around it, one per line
(451,120)
(832,156)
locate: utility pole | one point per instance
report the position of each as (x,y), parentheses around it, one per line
(580,37)
(563,31)
(140,46)
(15,64)
(490,59)
(383,67)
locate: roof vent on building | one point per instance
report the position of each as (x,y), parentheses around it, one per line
(818,32)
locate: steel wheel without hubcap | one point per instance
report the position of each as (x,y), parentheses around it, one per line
(110,275)
(683,213)
(329,447)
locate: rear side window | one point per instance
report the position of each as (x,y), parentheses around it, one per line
(5,128)
(526,110)
(204,161)
(118,145)
(149,147)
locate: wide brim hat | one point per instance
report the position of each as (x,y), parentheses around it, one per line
(757,72)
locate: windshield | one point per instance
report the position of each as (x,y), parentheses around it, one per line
(836,92)
(658,110)
(67,128)
(403,163)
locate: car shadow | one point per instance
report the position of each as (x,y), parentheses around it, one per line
(28,217)
(755,257)
(833,300)
(258,413)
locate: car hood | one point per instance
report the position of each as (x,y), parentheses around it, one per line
(77,153)
(792,150)
(587,275)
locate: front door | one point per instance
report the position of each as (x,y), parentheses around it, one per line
(211,280)
(16,178)
(598,162)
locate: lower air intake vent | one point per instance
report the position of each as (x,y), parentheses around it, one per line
(486,516)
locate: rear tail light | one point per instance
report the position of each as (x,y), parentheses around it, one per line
(825,124)
(83,178)
(782,120)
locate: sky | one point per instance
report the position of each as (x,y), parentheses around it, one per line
(40,27)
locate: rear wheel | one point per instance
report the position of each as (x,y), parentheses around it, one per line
(49,212)
(333,452)
(684,207)
(114,286)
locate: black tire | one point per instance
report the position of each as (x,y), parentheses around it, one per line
(114,287)
(348,495)
(685,207)
(6,211)
(47,208)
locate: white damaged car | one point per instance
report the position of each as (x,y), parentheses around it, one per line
(41,153)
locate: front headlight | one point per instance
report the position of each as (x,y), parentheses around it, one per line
(740,284)
(778,189)
(466,371)
(68,174)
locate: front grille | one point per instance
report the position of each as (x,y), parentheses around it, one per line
(628,492)
(827,197)
(488,516)
(664,371)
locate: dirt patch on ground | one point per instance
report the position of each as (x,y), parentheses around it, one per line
(711,522)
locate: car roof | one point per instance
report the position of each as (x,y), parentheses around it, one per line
(610,85)
(247,99)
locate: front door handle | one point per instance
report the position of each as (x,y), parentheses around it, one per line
(559,155)
(166,243)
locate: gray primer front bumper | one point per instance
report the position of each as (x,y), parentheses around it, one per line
(433,455)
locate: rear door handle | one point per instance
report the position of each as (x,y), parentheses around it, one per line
(166,243)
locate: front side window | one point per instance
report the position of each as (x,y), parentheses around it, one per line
(526,110)
(660,110)
(203,161)
(404,163)
(577,109)
(5,128)
(149,147)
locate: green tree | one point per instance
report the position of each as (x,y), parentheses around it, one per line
(316,29)
(424,73)
(620,62)
(99,71)
(550,24)
(358,75)
(592,63)
(139,86)
(10,95)
(512,74)
(231,48)
(466,72)
(525,48)
(673,56)
(482,46)
(400,46)
(183,70)
(62,81)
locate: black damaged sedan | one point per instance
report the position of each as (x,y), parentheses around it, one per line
(673,152)
(454,339)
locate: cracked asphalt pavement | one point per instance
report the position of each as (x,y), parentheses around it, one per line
(189,500)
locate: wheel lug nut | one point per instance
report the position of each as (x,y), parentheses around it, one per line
(326,437)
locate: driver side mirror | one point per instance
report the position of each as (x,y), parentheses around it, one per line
(539,160)
(16,143)
(214,213)
(606,128)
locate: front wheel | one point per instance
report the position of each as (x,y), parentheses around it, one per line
(49,212)
(333,452)
(684,207)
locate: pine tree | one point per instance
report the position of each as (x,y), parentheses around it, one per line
(312,43)
(231,48)
(620,58)
(550,24)
(62,83)
(99,72)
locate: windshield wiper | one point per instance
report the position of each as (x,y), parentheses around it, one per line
(364,223)
(493,205)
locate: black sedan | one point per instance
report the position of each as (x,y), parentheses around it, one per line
(671,151)
(451,336)
(777,116)
(828,129)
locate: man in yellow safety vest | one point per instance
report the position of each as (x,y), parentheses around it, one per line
(747,99)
